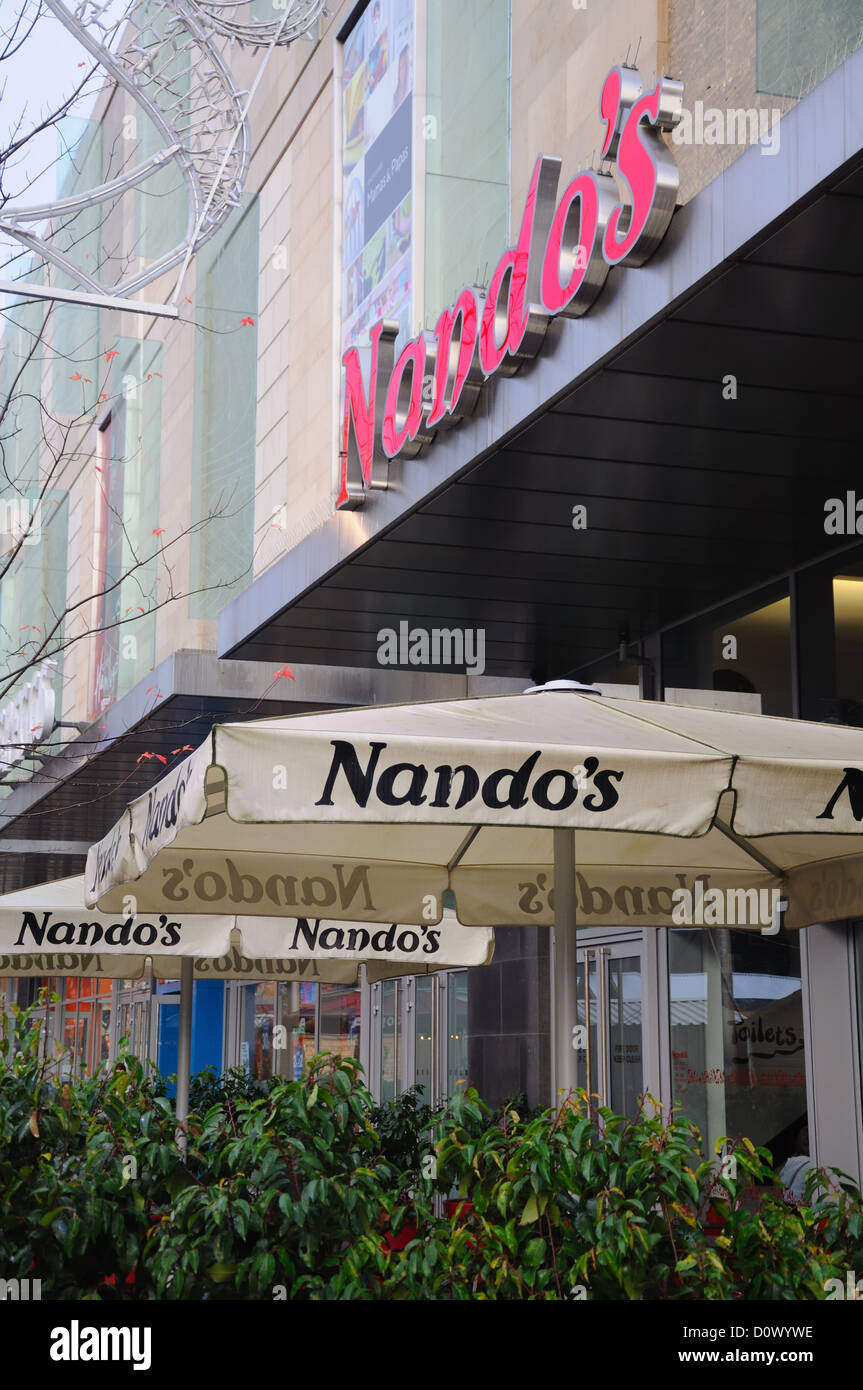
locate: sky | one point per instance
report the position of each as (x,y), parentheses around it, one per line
(34,81)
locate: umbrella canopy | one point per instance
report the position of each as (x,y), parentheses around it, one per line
(373,814)
(47,930)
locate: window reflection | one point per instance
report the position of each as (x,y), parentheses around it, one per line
(423,988)
(848,623)
(340,1020)
(741,649)
(390,1039)
(456,1043)
(737,1045)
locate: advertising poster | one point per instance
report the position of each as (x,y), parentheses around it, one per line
(377,165)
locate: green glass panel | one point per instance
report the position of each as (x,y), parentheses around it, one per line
(466,141)
(75,332)
(223,480)
(161,203)
(32,605)
(799,43)
(23,353)
(127,637)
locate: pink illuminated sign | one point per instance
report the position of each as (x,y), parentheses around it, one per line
(558,265)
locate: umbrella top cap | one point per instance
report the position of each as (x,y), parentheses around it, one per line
(563,685)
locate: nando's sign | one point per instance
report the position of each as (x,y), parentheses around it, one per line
(565,249)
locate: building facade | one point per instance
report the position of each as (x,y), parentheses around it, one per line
(660,499)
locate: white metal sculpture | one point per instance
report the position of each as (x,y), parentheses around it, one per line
(166,54)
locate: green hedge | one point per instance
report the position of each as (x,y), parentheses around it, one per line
(291,1191)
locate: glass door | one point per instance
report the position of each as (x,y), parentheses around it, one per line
(610,1040)
(418,1035)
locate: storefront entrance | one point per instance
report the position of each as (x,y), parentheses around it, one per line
(711,1019)
(610,986)
(418,1035)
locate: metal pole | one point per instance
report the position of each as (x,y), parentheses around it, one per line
(184,1046)
(565,1003)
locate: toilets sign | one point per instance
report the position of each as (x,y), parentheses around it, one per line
(566,246)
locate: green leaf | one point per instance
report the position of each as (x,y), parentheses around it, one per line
(531,1210)
(534,1252)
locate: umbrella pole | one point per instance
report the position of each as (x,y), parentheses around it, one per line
(565,1002)
(184,1049)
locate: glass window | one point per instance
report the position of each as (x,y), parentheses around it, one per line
(21,376)
(76,366)
(32,600)
(456,1039)
(423,1033)
(625,1060)
(848,626)
(798,43)
(737,1044)
(223,475)
(265,1012)
(466,146)
(160,201)
(744,648)
(339,1020)
(277,1028)
(305,1029)
(377,170)
(391,1049)
(127,503)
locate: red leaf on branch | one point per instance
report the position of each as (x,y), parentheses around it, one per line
(186,748)
(158,531)
(285,671)
(111,353)
(76,377)
(247,323)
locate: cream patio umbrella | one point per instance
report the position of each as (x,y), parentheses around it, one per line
(48,930)
(528,809)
